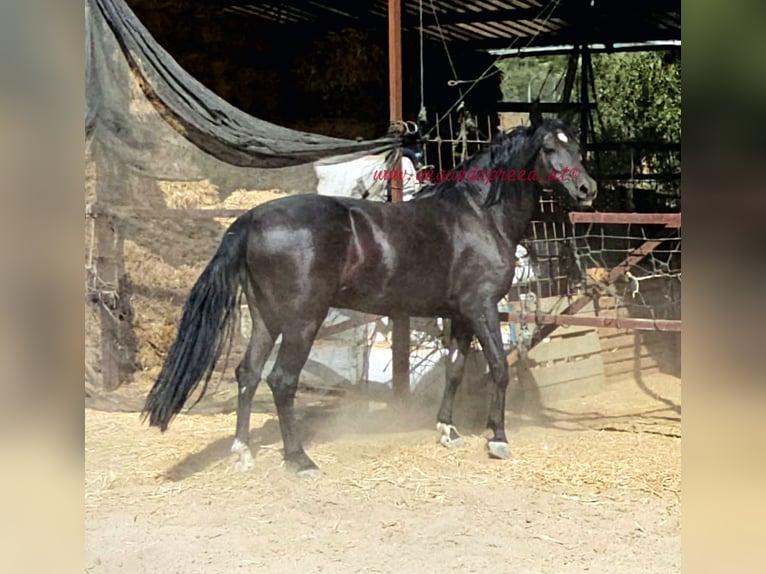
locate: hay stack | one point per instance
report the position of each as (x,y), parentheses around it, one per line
(163,258)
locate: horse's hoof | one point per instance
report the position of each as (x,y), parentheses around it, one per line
(451,442)
(309,473)
(450,438)
(300,464)
(244,464)
(498,450)
(245,461)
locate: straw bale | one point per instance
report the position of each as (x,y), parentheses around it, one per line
(162,258)
(247,199)
(189,194)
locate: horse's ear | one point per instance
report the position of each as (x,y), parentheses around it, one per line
(568,118)
(535,115)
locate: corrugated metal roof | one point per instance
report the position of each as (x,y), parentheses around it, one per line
(489,24)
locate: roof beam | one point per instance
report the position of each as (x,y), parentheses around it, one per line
(606,23)
(445,19)
(594,49)
(567,38)
(575,9)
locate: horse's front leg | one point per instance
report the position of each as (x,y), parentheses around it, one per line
(459,346)
(486,324)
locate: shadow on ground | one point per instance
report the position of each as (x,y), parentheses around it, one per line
(629,406)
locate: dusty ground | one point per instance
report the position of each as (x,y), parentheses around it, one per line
(593,488)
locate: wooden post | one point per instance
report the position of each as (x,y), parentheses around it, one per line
(400,344)
(110,178)
(400,349)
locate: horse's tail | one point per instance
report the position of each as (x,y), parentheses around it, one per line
(207,324)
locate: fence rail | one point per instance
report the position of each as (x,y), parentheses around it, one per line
(100,210)
(565,320)
(667,219)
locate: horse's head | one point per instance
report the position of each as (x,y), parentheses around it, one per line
(559,161)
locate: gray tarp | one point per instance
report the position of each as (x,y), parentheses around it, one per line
(208,121)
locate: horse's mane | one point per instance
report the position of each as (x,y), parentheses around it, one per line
(508,150)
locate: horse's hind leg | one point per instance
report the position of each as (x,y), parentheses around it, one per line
(459,346)
(248,377)
(283,380)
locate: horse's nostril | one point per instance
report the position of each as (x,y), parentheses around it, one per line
(584,189)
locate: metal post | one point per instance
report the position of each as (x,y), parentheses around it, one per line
(400,345)
(585,108)
(395,60)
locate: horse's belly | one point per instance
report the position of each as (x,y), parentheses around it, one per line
(419,292)
(411,306)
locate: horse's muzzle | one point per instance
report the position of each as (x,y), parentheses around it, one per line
(586,192)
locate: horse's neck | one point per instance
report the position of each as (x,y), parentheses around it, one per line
(512,214)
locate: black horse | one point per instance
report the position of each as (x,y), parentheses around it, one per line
(449,252)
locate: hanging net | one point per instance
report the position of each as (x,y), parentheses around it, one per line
(120,49)
(160,147)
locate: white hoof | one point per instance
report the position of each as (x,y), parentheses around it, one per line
(245,461)
(309,473)
(450,438)
(499,450)
(244,464)
(451,442)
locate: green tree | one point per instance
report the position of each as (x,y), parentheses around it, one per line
(638,96)
(524,79)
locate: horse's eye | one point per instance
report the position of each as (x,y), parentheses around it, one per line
(548,149)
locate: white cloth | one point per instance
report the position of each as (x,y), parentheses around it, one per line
(524,272)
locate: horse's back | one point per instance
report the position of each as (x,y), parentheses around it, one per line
(293,207)
(415,258)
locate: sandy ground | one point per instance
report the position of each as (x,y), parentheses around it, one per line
(592,486)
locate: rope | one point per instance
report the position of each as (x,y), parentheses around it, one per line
(422,116)
(446,49)
(486,74)
(402,127)
(453,83)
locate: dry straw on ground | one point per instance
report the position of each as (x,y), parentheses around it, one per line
(573,456)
